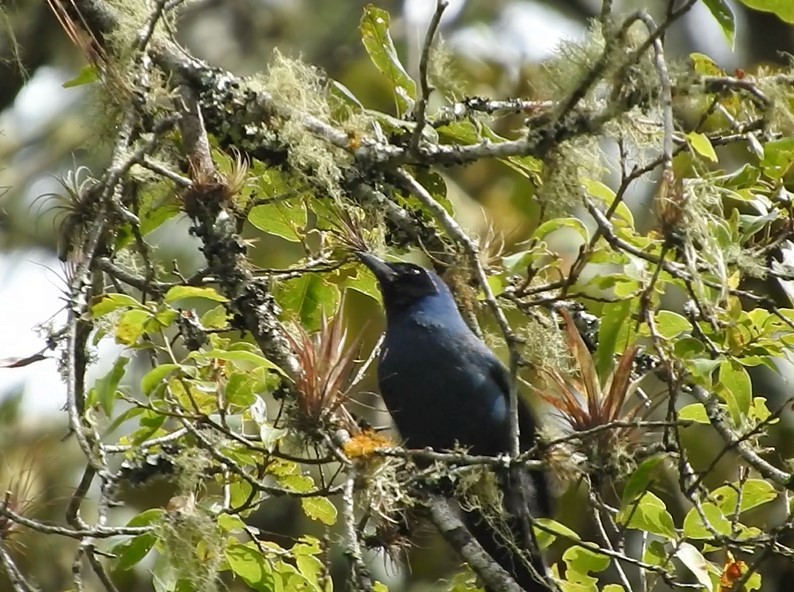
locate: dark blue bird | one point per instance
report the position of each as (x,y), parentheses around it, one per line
(444,387)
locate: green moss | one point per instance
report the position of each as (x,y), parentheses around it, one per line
(192,545)
(544,344)
(297,86)
(566,168)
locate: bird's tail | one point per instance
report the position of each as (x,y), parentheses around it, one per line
(507,535)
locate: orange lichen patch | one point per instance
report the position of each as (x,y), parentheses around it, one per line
(365,443)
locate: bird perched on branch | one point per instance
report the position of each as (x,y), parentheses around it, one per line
(444,388)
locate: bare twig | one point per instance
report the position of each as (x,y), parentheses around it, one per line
(424,86)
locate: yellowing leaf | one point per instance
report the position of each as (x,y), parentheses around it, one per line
(320,509)
(131,326)
(702,145)
(182,292)
(251,566)
(694,412)
(783,9)
(111,303)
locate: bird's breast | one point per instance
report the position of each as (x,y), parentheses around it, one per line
(440,392)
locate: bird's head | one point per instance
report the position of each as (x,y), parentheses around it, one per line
(404,284)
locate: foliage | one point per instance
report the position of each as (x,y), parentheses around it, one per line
(249,392)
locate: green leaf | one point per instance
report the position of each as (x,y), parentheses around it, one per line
(694,412)
(755,492)
(104,390)
(154,377)
(760,412)
(655,554)
(365,283)
(165,317)
(722,13)
(111,303)
(783,9)
(519,262)
(320,509)
(695,528)
(307,298)
(132,325)
(239,357)
(150,422)
(297,483)
(650,515)
(249,564)
(551,530)
(240,390)
(87,75)
(152,219)
(129,553)
(642,476)
(778,156)
(702,145)
(344,94)
(528,167)
(307,545)
(702,369)
(613,320)
(604,193)
(586,561)
(437,187)
(286,219)
(230,523)
(555,224)
(156,204)
(240,493)
(703,64)
(165,574)
(215,318)
(670,324)
(688,347)
(461,132)
(147,517)
(377,41)
(310,567)
(122,417)
(737,389)
(182,292)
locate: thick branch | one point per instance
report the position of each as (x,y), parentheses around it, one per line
(445,518)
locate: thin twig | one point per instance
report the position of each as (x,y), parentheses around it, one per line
(424,86)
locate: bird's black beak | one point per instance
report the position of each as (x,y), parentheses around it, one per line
(384,272)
